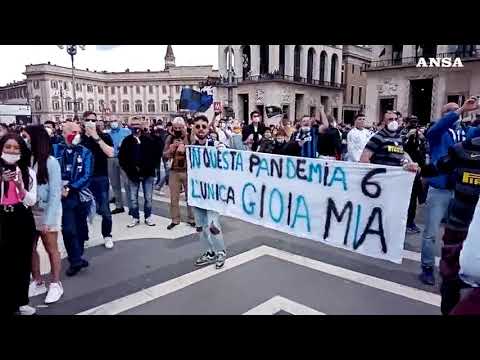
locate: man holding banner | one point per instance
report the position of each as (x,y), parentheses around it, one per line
(207,221)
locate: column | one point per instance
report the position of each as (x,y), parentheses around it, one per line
(273,58)
(289,49)
(255,59)
(408,51)
(238,65)
(303,61)
(222,66)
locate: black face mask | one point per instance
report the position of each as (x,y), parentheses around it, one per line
(178,134)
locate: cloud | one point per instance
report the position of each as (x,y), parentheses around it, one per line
(106,47)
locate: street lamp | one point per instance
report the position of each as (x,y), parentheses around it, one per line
(72,51)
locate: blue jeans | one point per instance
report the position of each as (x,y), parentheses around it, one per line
(436,208)
(203,219)
(163,180)
(74,227)
(100,187)
(147,184)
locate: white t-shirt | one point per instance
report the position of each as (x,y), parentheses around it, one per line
(470,254)
(356,141)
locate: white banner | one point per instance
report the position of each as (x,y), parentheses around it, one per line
(358,207)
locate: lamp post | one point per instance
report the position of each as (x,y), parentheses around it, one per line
(72,51)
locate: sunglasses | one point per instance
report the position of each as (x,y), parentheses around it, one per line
(201,126)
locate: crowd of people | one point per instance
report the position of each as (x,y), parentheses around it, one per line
(57,176)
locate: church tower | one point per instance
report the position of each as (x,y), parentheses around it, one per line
(169,58)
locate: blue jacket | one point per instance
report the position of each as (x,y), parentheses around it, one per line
(81,168)
(118,135)
(441,137)
(49,195)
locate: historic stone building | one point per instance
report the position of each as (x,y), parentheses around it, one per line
(355,59)
(297,78)
(395,82)
(152,94)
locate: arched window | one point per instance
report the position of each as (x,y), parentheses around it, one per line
(296,62)
(246,61)
(80,104)
(90,105)
(333,70)
(55,103)
(311,55)
(164,106)
(281,60)
(323,63)
(113,106)
(38,103)
(151,106)
(138,106)
(101,105)
(264,59)
(125,106)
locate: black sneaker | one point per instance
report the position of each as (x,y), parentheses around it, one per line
(413,229)
(206,259)
(221,256)
(73,270)
(112,201)
(199,229)
(171,226)
(427,276)
(118,211)
(192,223)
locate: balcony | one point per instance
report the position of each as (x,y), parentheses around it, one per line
(223,82)
(412,61)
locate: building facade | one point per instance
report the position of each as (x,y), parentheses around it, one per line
(395,82)
(355,59)
(297,78)
(150,94)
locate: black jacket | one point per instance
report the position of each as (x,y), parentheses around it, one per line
(248,130)
(330,142)
(147,161)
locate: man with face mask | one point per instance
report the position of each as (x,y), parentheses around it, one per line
(176,152)
(76,163)
(117,176)
(139,157)
(385,147)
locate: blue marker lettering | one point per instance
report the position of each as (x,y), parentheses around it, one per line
(251,205)
(280,196)
(301,201)
(341,178)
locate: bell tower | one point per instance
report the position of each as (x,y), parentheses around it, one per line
(169,58)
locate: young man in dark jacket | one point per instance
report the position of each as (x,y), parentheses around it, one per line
(139,157)
(252,133)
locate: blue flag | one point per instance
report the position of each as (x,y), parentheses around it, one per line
(195,100)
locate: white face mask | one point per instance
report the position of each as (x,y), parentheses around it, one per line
(49,131)
(305,128)
(10,158)
(76,140)
(392,125)
(114,125)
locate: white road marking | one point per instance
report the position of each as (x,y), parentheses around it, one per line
(144,296)
(278,303)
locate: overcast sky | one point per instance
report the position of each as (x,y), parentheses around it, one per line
(13,58)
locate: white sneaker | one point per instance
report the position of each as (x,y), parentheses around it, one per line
(27,310)
(35,289)
(108,243)
(134,223)
(55,292)
(149,222)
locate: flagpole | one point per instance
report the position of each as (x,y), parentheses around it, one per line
(230,74)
